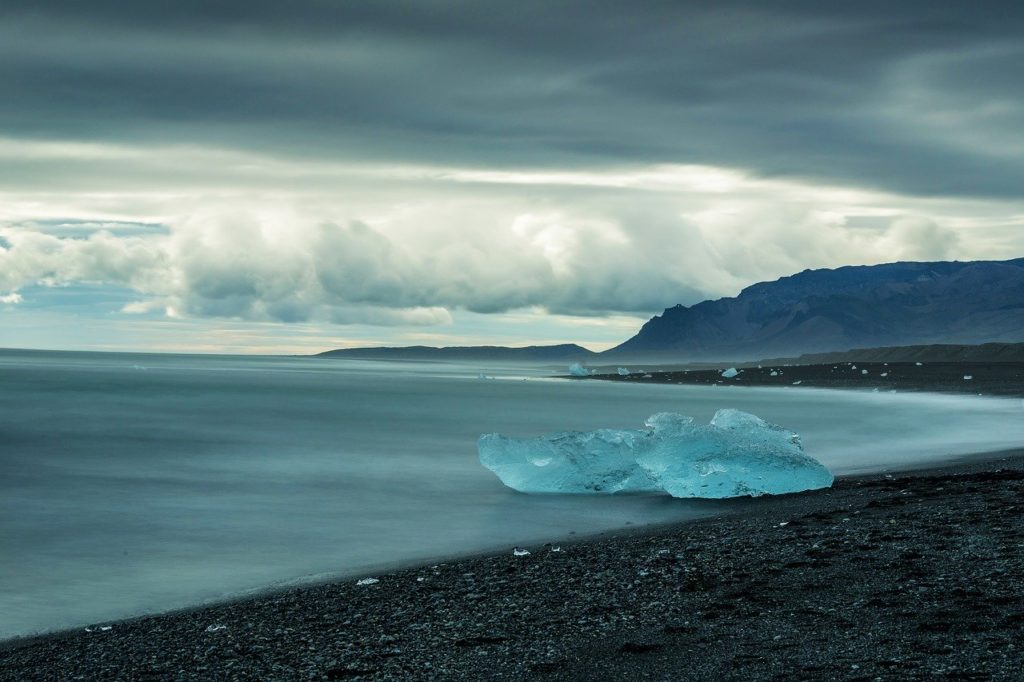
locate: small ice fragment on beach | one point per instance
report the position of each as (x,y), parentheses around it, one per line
(797,383)
(367,581)
(774,374)
(863,371)
(884,374)
(853,367)
(519,551)
(578,370)
(736,454)
(556,548)
(730,373)
(623,372)
(968,377)
(919,364)
(216,628)
(783,523)
(648,376)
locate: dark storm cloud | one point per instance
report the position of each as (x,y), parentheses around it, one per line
(921,97)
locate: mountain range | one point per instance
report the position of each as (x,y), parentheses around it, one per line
(856,306)
(814,311)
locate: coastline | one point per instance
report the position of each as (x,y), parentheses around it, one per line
(917,572)
(1000,379)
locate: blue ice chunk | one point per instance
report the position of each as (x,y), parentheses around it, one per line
(737,454)
(578,370)
(601,461)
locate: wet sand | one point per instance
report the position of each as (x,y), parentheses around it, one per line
(912,575)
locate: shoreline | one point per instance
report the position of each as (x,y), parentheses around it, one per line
(723,508)
(495,615)
(996,379)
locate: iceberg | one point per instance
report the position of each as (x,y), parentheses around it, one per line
(578,370)
(623,372)
(730,373)
(601,461)
(737,454)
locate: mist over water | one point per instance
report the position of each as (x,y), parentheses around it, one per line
(135,483)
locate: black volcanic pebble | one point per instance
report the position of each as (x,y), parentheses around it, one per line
(915,576)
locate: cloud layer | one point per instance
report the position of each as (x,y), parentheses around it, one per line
(576,244)
(408,163)
(918,97)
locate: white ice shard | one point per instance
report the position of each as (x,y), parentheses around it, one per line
(774,374)
(730,373)
(736,454)
(623,372)
(578,370)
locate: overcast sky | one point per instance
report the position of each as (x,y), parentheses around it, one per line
(290,176)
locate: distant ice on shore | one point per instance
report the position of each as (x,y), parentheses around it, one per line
(578,370)
(737,454)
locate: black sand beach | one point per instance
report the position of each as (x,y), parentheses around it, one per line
(985,378)
(916,575)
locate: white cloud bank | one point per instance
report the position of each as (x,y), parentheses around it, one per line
(409,246)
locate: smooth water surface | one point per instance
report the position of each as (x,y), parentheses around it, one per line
(136,483)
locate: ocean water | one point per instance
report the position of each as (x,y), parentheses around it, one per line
(139,483)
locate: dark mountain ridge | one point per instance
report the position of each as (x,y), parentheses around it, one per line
(816,311)
(566,352)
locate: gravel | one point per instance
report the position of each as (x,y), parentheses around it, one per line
(915,575)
